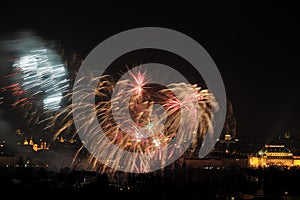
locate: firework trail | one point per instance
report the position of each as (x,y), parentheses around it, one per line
(152,121)
(38,79)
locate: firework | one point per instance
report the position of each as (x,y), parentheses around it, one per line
(38,79)
(143,125)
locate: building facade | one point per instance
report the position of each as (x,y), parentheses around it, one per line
(274,155)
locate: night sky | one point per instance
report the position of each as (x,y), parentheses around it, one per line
(256,47)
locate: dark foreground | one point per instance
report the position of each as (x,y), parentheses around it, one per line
(210,183)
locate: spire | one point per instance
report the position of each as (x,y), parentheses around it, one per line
(31,142)
(61,139)
(25,141)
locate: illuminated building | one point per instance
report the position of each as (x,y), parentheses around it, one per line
(72,141)
(44,146)
(18,132)
(227,144)
(287,135)
(297,161)
(219,159)
(61,139)
(227,137)
(35,147)
(31,142)
(25,142)
(2,144)
(274,155)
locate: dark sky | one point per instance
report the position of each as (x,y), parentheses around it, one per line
(255,46)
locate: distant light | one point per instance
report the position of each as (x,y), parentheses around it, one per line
(227,137)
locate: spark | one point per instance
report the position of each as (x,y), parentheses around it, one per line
(146,133)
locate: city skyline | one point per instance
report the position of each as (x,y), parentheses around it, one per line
(136,129)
